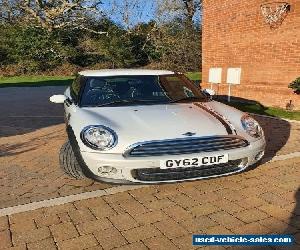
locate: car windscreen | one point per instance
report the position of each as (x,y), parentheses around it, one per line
(137,89)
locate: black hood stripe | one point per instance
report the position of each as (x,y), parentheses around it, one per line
(219,118)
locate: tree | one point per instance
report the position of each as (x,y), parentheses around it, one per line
(51,14)
(191,7)
(184,9)
(177,38)
(129,13)
(43,35)
(32,48)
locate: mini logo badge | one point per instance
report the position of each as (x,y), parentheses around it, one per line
(189,134)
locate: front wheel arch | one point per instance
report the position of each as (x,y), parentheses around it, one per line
(75,147)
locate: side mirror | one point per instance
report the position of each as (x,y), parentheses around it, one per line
(209,92)
(58,98)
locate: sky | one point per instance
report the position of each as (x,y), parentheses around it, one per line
(140,10)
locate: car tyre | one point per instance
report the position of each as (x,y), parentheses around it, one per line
(69,163)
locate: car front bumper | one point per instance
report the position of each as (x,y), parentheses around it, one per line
(123,170)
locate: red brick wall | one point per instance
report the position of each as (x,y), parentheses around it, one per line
(236,35)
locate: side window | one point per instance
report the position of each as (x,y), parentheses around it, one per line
(75,88)
(177,87)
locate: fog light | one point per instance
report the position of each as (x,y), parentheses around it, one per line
(259,155)
(107,170)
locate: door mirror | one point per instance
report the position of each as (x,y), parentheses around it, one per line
(58,98)
(209,92)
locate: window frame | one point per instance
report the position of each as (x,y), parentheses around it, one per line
(76,99)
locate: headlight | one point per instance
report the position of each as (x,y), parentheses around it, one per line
(98,137)
(251,126)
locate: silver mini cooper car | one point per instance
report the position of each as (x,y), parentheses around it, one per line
(152,126)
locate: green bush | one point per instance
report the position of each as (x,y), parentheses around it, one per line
(295,85)
(27,49)
(31,48)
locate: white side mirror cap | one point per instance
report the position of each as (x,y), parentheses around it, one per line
(210,92)
(58,98)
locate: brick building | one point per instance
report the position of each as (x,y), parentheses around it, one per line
(235,34)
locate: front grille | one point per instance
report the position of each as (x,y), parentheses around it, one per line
(185,146)
(157,174)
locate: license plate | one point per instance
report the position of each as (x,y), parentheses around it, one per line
(194,162)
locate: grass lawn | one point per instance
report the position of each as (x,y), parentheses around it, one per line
(270,111)
(35,81)
(194,76)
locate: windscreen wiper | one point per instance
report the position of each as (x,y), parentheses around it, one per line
(192,98)
(125,102)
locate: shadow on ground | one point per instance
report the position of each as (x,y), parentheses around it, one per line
(13,149)
(294,220)
(26,109)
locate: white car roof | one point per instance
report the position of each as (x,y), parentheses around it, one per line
(124,72)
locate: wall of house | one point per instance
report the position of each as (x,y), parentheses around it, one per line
(235,35)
